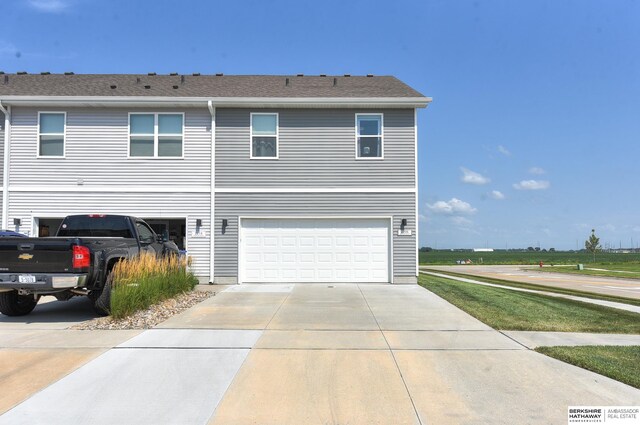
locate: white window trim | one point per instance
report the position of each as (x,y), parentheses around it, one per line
(370,158)
(251,136)
(64,136)
(156,135)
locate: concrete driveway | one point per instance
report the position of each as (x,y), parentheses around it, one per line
(319,354)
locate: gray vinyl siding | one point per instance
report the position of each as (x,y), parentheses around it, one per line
(96,149)
(232,205)
(27,205)
(316,149)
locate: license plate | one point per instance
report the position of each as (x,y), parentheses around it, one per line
(27,278)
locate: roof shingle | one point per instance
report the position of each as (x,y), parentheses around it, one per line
(231,86)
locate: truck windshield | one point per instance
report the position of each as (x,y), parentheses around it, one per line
(100,226)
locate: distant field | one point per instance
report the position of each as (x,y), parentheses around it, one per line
(445,257)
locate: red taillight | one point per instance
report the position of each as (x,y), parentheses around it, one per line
(81,257)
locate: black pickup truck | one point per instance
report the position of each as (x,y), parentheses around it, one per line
(77,261)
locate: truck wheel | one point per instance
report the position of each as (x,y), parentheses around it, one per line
(102,303)
(12,304)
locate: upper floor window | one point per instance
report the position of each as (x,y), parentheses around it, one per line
(156,135)
(264,136)
(369,136)
(51,133)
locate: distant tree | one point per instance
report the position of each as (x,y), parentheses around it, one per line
(426,249)
(537,249)
(530,248)
(593,244)
(552,250)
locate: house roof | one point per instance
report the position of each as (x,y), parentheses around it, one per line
(205,86)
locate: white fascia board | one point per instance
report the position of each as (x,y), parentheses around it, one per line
(236,102)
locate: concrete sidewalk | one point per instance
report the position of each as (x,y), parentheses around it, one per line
(619,306)
(547,339)
(617,286)
(325,354)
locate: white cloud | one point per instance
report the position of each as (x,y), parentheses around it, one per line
(537,170)
(472,177)
(496,194)
(636,229)
(532,185)
(49,6)
(504,151)
(452,206)
(461,221)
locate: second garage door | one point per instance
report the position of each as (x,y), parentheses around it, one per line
(314,250)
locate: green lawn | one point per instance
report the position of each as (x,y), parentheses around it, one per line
(506,309)
(630,270)
(555,289)
(619,363)
(448,257)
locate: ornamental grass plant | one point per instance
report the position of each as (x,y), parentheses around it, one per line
(144,280)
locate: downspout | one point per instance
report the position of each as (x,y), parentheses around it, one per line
(415,176)
(5,170)
(212,237)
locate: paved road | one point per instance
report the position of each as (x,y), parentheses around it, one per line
(293,354)
(629,288)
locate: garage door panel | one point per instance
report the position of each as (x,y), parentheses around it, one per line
(270,241)
(343,257)
(288,241)
(360,241)
(307,275)
(342,241)
(324,241)
(378,257)
(307,258)
(289,273)
(289,257)
(306,241)
(314,250)
(252,241)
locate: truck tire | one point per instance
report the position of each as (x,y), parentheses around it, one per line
(102,303)
(12,304)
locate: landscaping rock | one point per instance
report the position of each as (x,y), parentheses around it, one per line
(146,319)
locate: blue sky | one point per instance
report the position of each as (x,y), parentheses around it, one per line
(533,137)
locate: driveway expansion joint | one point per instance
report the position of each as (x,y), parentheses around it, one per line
(395,361)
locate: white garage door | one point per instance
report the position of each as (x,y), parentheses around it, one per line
(314,250)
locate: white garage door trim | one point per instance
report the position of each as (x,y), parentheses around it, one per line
(241,277)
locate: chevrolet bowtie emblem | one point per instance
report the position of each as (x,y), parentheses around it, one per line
(25,256)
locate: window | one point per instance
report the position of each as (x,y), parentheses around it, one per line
(145,234)
(51,133)
(369,136)
(264,136)
(155,135)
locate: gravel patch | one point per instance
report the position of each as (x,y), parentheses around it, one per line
(147,319)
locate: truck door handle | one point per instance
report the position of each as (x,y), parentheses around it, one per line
(26,247)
